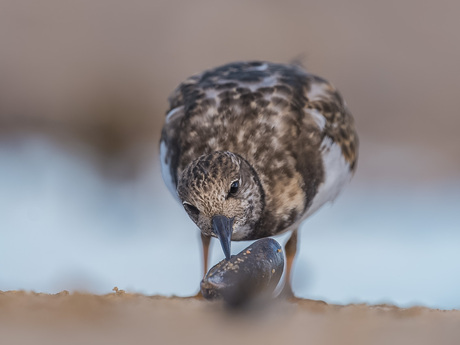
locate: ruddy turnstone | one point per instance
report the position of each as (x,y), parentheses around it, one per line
(251,149)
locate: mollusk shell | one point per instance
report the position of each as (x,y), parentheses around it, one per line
(255,271)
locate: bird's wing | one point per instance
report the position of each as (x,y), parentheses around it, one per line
(326,106)
(176,98)
(170,148)
(246,85)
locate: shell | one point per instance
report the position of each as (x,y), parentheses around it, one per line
(254,272)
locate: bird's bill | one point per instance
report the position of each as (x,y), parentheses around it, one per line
(222,227)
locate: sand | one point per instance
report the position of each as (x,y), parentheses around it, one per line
(123,318)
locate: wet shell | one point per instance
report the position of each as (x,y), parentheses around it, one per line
(255,271)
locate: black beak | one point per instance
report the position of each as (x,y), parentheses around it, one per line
(222,227)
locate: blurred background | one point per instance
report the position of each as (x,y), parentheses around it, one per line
(83,95)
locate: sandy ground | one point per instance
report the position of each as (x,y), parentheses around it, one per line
(122,318)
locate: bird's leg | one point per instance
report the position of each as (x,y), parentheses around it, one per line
(205,250)
(290,249)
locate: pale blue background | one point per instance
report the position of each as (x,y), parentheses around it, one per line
(64,226)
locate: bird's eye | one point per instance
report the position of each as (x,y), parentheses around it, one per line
(234,188)
(191,210)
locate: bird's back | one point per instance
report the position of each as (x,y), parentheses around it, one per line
(291,127)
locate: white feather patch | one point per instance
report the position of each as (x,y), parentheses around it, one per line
(165,171)
(173,112)
(337,175)
(319,119)
(317,91)
(262,67)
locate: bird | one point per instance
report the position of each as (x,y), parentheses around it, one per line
(252,149)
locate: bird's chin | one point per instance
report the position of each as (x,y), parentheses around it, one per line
(235,236)
(209,234)
(240,233)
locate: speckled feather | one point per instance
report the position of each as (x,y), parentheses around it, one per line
(270,120)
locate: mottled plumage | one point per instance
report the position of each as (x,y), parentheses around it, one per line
(285,135)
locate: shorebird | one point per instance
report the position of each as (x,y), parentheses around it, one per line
(252,149)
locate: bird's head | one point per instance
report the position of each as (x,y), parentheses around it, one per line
(222,194)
